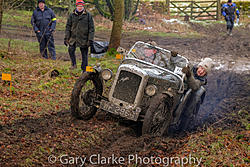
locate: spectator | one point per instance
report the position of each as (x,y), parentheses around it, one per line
(43,21)
(228,11)
(79,33)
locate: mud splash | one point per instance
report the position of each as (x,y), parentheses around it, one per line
(227,93)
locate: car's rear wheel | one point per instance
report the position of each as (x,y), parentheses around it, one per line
(85,96)
(158,115)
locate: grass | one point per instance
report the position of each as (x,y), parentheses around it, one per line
(26,46)
(34,92)
(163,34)
(219,147)
(22,18)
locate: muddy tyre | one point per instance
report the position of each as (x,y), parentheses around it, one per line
(158,116)
(85,96)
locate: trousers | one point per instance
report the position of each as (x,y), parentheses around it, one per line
(84,52)
(46,40)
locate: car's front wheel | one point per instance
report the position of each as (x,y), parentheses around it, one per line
(158,115)
(85,96)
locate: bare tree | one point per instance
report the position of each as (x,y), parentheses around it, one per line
(13,4)
(106,8)
(7,5)
(117,24)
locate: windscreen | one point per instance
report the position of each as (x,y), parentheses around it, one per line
(158,56)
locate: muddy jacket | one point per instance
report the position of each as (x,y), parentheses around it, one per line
(44,21)
(194,81)
(228,11)
(79,28)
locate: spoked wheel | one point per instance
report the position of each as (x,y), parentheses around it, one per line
(158,116)
(86,95)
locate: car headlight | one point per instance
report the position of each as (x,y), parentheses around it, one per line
(106,74)
(151,90)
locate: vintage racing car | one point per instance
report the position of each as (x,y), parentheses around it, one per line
(149,86)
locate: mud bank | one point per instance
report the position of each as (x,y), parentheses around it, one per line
(227,93)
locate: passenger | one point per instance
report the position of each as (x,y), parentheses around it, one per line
(197,76)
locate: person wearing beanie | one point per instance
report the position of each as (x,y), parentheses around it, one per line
(196,77)
(79,33)
(228,11)
(43,21)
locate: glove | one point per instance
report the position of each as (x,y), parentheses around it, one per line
(66,42)
(39,33)
(51,30)
(174,53)
(187,71)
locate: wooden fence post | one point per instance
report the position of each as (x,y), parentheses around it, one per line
(218,10)
(168,7)
(192,5)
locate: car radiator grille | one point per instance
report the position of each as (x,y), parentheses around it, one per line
(127,86)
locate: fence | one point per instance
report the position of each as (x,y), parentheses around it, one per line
(200,10)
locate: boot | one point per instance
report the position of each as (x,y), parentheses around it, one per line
(230,32)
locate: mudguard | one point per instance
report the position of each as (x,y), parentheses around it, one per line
(200,94)
(183,102)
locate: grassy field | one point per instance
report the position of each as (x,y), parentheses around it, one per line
(26,46)
(33,89)
(22,18)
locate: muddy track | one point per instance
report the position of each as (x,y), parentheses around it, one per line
(225,97)
(227,94)
(214,43)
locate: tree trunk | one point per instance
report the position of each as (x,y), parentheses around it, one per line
(1,14)
(71,4)
(117,24)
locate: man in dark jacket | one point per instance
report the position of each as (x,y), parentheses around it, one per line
(43,21)
(79,33)
(228,11)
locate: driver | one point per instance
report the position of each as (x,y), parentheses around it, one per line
(196,77)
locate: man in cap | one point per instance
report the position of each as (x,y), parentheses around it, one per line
(228,11)
(79,33)
(43,21)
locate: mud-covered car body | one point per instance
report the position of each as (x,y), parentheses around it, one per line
(127,96)
(147,74)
